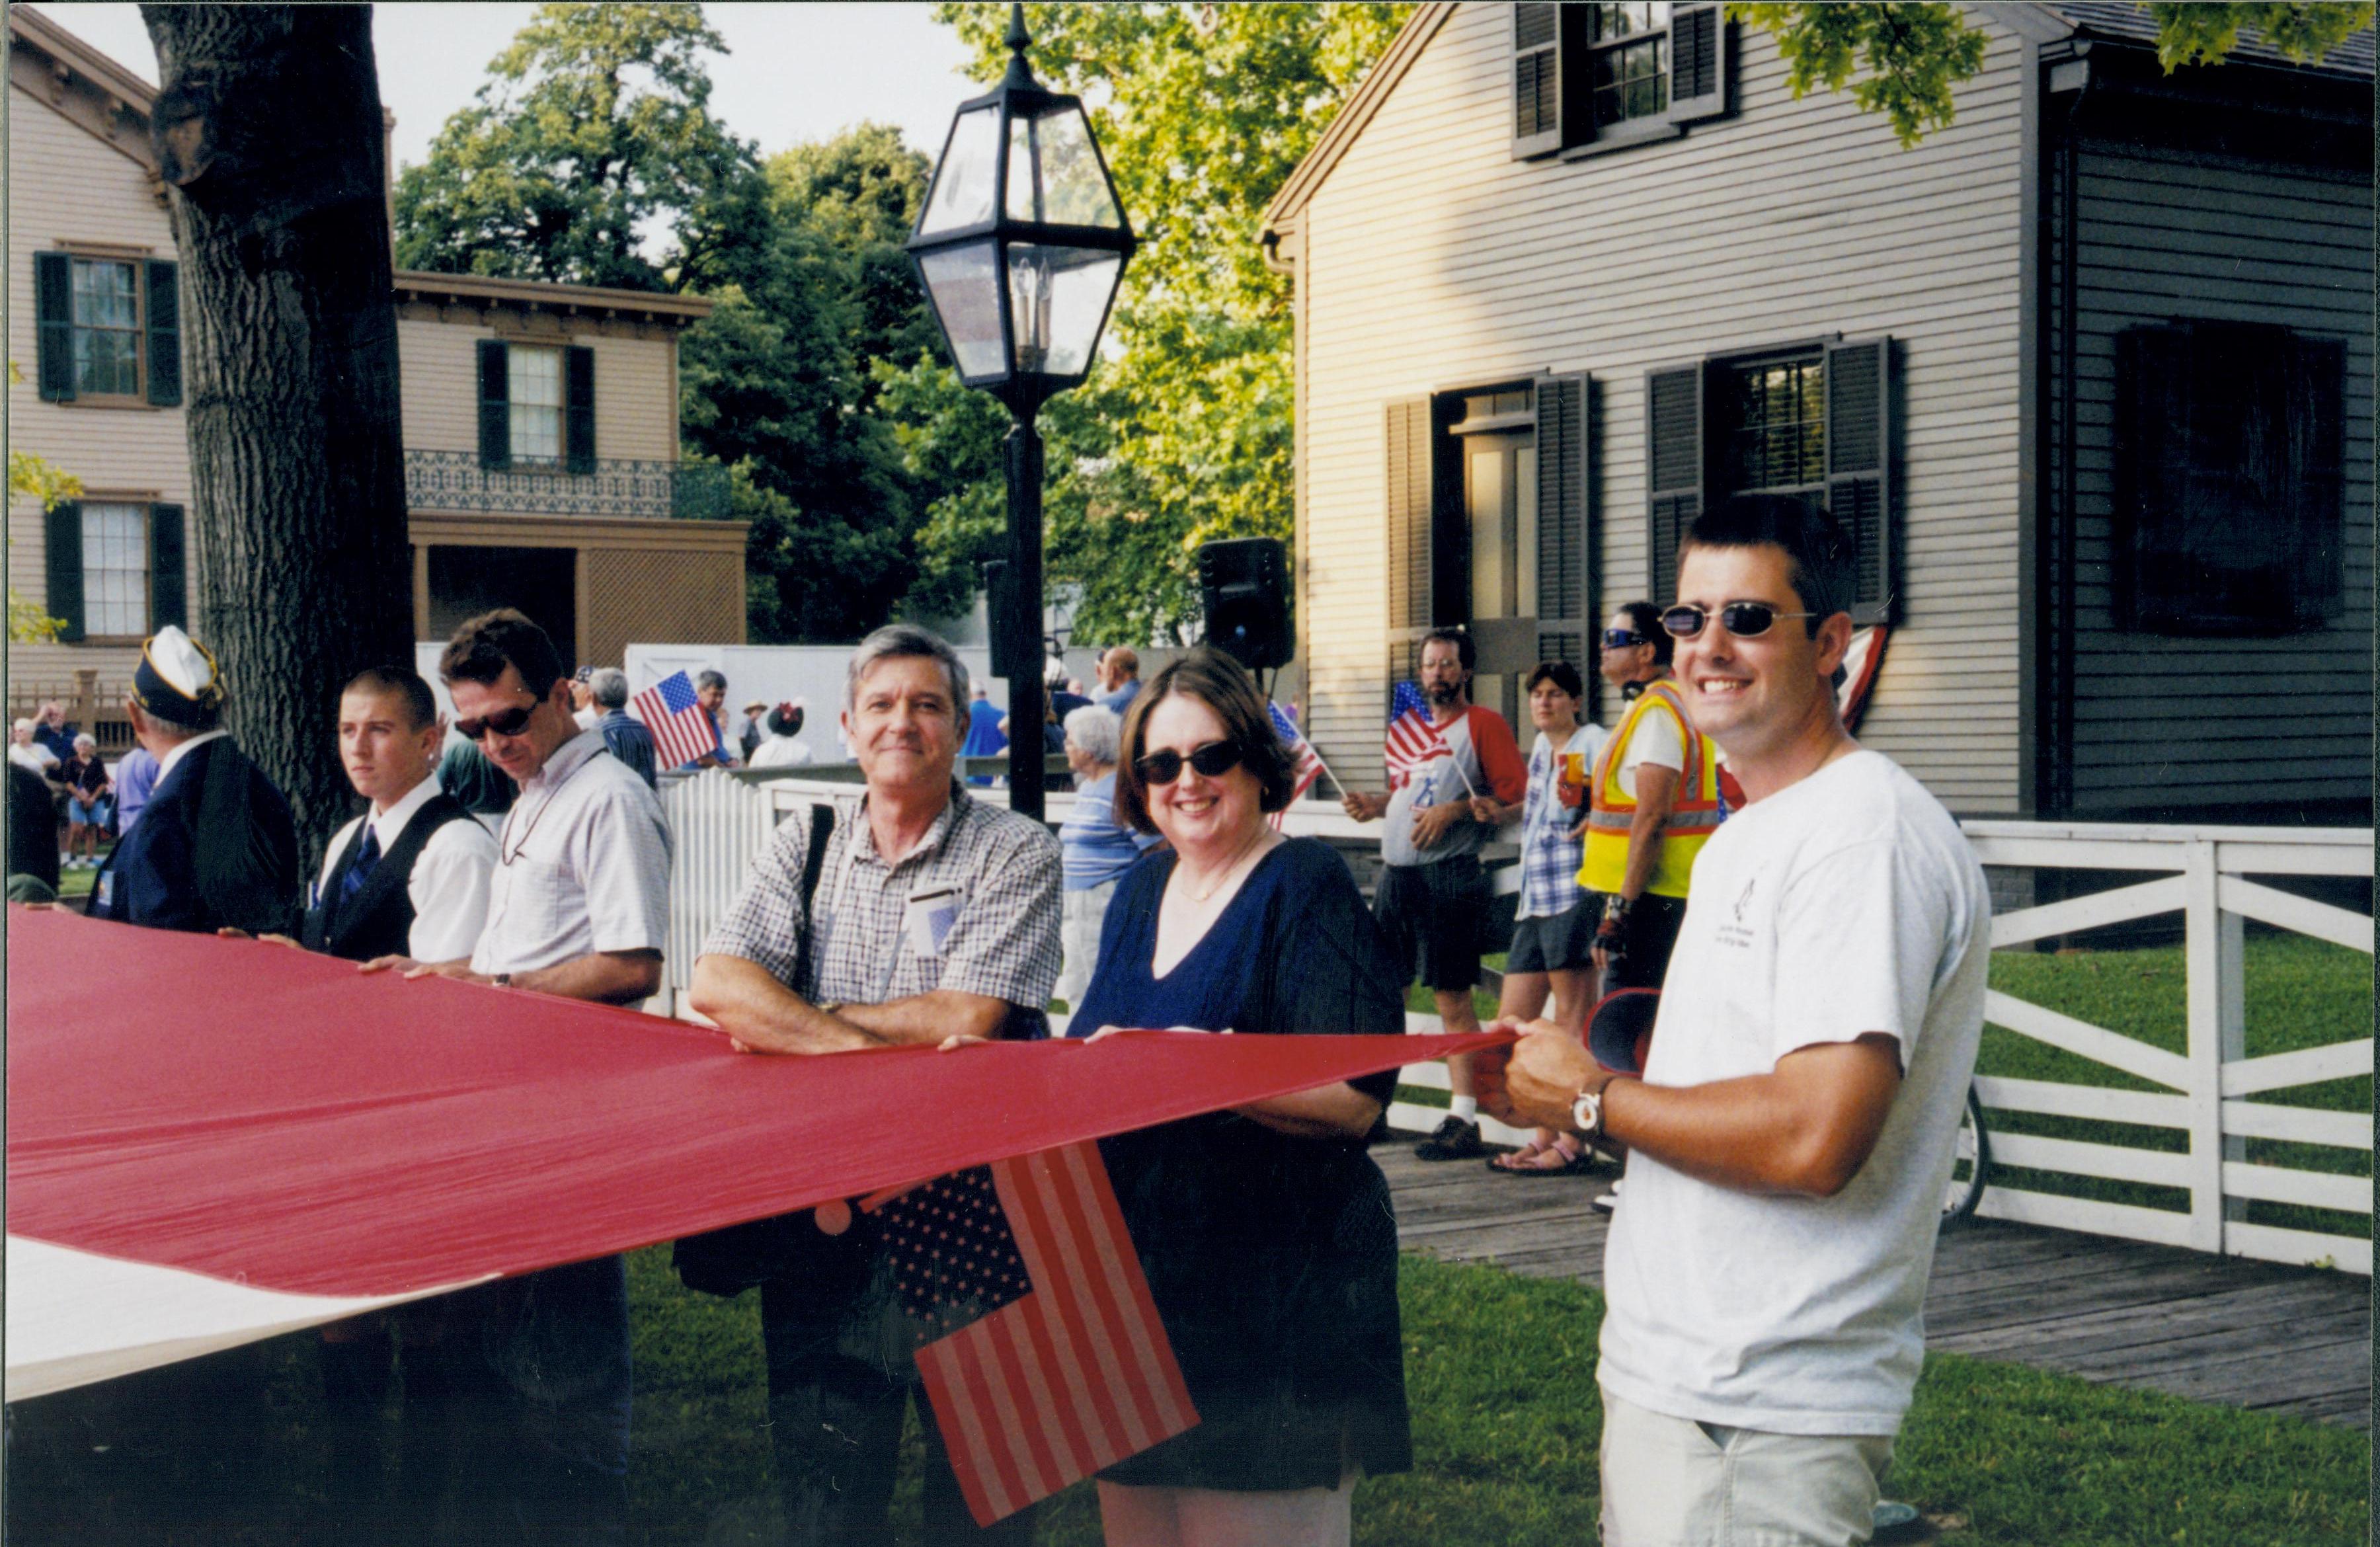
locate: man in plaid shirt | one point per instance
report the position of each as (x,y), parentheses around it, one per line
(934,914)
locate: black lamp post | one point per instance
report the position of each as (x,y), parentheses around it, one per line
(1020,246)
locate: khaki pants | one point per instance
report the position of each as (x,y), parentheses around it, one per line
(1674,1483)
(1081,914)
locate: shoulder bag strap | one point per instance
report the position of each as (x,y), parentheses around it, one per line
(813,865)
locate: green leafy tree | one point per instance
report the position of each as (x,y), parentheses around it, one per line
(1913,54)
(35,479)
(593,129)
(858,194)
(1183,433)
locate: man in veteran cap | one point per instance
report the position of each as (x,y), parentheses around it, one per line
(216,845)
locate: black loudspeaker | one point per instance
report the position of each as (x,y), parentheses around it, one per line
(1245,586)
(1001,606)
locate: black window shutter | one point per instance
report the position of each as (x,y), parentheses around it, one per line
(165,329)
(1565,533)
(578,410)
(1536,79)
(1673,473)
(495,404)
(168,571)
(1859,466)
(65,544)
(53,309)
(2313,480)
(1411,517)
(1700,42)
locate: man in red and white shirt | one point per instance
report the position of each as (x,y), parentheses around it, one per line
(1431,897)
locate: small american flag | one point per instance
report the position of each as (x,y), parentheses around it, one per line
(1308,762)
(1412,742)
(683,730)
(1405,699)
(1052,1361)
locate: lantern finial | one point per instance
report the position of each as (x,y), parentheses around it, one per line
(1019,72)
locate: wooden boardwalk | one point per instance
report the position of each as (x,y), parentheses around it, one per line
(2223,1330)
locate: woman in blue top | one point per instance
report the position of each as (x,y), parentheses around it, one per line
(1267,1233)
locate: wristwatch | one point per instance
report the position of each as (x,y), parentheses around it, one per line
(501,979)
(1587,1114)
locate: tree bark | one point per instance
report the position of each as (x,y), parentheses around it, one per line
(268,132)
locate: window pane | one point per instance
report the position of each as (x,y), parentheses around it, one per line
(116,570)
(1621,22)
(1632,81)
(1779,438)
(535,387)
(106,324)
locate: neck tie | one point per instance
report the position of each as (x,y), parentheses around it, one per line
(360,871)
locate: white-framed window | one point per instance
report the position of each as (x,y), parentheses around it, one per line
(1628,63)
(106,328)
(536,403)
(114,569)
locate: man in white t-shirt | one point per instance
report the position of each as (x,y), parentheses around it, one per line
(1791,1134)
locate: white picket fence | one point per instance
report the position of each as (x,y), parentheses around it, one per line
(2202,874)
(719,823)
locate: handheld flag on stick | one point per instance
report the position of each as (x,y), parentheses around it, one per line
(1053,1362)
(683,730)
(1306,762)
(1413,743)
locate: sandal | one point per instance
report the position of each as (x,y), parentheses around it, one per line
(1515,1162)
(1568,1162)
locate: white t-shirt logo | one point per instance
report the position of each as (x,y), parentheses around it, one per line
(1737,935)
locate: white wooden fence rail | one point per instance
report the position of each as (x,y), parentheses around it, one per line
(719,823)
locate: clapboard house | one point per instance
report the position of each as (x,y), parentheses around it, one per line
(539,422)
(2088,373)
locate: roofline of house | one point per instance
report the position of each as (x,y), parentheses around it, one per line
(543,294)
(2038,23)
(71,51)
(1402,50)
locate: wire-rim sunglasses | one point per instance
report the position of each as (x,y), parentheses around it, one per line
(1745,620)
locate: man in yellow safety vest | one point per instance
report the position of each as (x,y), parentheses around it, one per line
(1653,800)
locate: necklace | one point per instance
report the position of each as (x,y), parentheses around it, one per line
(1228,870)
(507,851)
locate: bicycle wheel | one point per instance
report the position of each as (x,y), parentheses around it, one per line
(1970,1166)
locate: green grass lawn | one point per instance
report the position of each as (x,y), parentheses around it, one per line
(1501,1376)
(1500,1373)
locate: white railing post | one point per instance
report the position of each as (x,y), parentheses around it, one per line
(2204,960)
(2231,1021)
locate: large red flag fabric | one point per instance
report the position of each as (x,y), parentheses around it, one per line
(212,1141)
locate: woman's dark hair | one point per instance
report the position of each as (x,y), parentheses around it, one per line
(784,720)
(1562,674)
(485,645)
(1222,685)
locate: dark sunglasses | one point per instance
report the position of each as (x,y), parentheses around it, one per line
(1745,620)
(1621,638)
(512,721)
(1212,762)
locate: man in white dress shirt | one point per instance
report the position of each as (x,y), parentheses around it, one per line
(409,877)
(578,906)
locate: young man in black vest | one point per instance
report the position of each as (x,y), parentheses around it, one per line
(409,877)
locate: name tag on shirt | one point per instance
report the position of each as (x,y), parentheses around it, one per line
(930,912)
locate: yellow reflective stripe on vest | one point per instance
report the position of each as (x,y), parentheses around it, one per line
(1612,812)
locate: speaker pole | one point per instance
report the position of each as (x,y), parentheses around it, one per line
(1023,450)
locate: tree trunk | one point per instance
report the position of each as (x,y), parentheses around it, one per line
(268,132)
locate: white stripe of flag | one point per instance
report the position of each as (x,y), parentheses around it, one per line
(1079,1364)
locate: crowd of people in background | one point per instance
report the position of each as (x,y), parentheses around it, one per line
(1770,1136)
